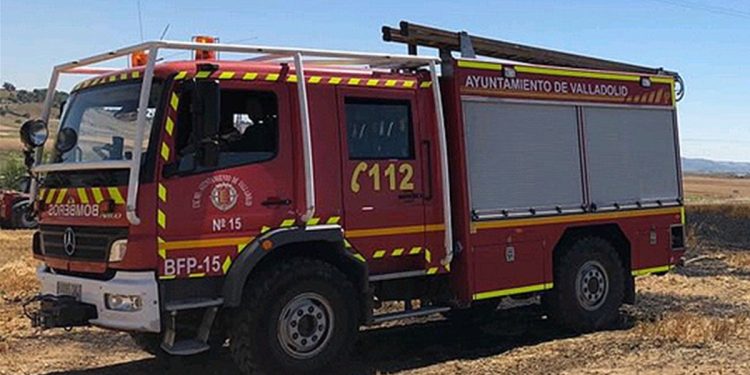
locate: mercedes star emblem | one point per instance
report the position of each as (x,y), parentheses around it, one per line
(69,241)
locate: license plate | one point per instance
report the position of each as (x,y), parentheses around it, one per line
(69,289)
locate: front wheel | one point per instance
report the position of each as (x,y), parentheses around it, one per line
(299,317)
(589,286)
(21,216)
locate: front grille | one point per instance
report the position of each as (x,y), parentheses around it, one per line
(91,243)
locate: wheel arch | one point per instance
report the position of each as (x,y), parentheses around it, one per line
(325,243)
(612,233)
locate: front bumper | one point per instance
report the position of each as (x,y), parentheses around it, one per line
(142,284)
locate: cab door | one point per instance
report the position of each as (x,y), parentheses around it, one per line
(384,190)
(206,215)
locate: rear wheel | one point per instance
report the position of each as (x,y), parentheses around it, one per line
(299,317)
(589,286)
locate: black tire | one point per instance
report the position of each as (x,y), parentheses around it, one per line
(21,219)
(267,316)
(149,343)
(590,269)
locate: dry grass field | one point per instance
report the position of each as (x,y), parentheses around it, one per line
(711,189)
(695,320)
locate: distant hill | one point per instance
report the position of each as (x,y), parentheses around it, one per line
(705,166)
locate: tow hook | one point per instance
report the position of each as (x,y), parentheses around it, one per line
(58,312)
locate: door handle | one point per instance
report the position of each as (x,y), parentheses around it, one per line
(276,201)
(410,196)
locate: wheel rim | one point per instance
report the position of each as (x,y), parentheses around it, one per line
(305,325)
(592,285)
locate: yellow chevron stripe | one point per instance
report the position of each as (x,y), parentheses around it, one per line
(161,218)
(61,196)
(82,196)
(226,75)
(250,76)
(50,196)
(169,127)
(162,192)
(174,101)
(114,193)
(181,75)
(97,192)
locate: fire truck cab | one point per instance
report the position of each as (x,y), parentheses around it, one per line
(280,200)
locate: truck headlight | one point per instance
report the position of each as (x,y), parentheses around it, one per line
(117,250)
(121,302)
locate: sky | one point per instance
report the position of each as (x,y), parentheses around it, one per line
(707,42)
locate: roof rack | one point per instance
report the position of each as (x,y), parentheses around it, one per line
(469,45)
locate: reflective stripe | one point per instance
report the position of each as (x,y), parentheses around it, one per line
(425,85)
(397,252)
(411,229)
(164,151)
(162,192)
(114,193)
(314,79)
(61,196)
(174,101)
(169,127)
(372,82)
(161,218)
(333,220)
(82,196)
(573,218)
(203,74)
(353,81)
(313,221)
(287,223)
(249,76)
(180,75)
(576,73)
(272,77)
(334,80)
(50,196)
(390,83)
(409,84)
(226,75)
(507,292)
(479,65)
(97,192)
(647,271)
(379,254)
(227,263)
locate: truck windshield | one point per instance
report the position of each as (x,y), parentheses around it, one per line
(104,121)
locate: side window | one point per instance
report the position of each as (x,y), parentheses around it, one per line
(379,129)
(248,131)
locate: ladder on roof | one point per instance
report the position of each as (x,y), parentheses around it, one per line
(470,46)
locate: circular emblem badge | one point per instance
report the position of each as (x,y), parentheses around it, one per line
(224,196)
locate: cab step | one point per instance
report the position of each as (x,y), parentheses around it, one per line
(186,347)
(199,343)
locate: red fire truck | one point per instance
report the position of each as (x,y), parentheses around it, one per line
(279,200)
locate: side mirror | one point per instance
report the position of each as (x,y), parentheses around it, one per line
(206,112)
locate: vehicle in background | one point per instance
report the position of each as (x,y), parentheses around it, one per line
(15,207)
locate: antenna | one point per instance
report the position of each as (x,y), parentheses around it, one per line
(140,19)
(164,32)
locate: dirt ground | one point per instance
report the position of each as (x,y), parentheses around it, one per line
(695,320)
